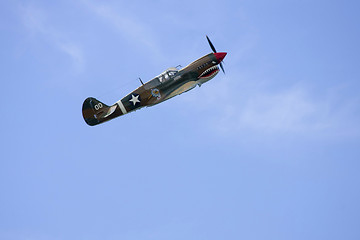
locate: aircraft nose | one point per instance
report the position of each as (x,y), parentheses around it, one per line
(220,56)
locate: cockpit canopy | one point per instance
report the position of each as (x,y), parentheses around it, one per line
(162,78)
(167,75)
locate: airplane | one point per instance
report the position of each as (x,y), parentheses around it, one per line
(168,84)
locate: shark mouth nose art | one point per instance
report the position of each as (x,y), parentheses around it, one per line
(211,72)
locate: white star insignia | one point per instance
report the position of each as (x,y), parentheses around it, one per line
(134,99)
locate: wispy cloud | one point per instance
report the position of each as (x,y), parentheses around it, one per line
(292,110)
(75,53)
(127,25)
(288,110)
(38,23)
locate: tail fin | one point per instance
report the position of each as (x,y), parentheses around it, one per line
(94,111)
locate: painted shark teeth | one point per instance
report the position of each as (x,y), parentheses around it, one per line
(213,70)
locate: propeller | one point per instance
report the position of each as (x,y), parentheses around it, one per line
(214,50)
(222,68)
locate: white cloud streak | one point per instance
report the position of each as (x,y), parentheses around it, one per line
(38,23)
(293,110)
(129,27)
(289,110)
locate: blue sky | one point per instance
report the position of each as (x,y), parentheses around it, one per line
(270,150)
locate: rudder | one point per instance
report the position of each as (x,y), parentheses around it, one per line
(93,111)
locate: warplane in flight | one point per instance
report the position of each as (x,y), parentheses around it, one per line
(168,84)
